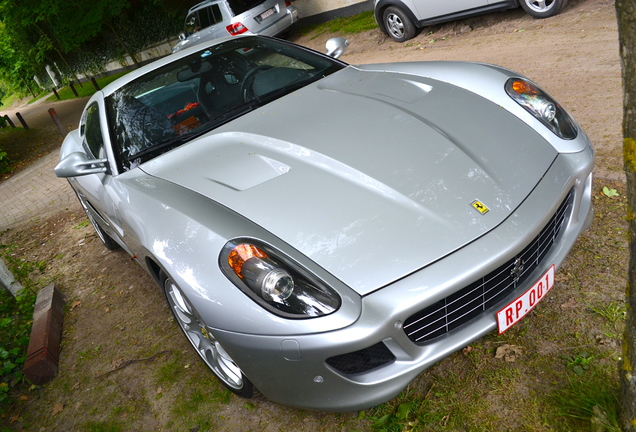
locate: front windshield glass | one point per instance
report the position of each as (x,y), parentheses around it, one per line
(195,94)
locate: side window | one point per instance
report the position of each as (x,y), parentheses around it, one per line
(215,11)
(204,17)
(192,24)
(93,138)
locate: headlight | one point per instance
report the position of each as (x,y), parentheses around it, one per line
(276,283)
(542,107)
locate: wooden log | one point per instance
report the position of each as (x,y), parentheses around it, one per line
(43,355)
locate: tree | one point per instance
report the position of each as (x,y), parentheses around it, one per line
(626,17)
(79,36)
(94,15)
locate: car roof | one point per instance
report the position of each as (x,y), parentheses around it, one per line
(202,4)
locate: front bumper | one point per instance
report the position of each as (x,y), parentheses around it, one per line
(294,370)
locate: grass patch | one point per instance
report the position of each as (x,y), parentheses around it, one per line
(9,100)
(38,97)
(347,25)
(172,371)
(87,88)
(612,312)
(588,402)
(101,427)
(199,394)
(437,408)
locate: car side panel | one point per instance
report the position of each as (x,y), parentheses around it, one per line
(426,9)
(421,16)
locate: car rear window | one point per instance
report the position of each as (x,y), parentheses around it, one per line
(240,6)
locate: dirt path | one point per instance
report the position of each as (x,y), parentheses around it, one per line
(116,313)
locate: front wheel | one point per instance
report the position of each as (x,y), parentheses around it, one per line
(204,343)
(398,25)
(543,8)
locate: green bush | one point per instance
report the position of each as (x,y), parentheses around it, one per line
(16,318)
(4,161)
(15,327)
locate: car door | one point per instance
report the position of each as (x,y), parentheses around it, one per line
(427,9)
(206,24)
(99,194)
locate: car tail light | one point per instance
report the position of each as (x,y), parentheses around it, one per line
(236,29)
(288,3)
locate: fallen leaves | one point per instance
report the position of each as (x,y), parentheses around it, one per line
(609,192)
(509,353)
(570,304)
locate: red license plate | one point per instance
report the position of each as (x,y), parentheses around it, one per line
(511,314)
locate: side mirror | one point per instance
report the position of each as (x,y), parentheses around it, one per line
(336,46)
(182,36)
(77,164)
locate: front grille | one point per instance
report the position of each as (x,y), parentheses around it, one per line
(469,302)
(363,360)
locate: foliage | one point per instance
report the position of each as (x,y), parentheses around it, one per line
(15,326)
(589,399)
(4,161)
(77,37)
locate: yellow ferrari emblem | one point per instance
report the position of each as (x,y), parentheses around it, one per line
(479,206)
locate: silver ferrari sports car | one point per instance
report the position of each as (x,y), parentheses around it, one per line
(325,232)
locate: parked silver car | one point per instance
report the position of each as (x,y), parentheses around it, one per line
(326,232)
(213,19)
(401,19)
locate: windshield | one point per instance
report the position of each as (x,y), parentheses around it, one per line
(193,95)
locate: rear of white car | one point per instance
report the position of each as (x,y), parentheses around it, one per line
(213,19)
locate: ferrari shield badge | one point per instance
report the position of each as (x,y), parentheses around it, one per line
(479,206)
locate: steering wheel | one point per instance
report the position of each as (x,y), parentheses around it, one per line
(248,81)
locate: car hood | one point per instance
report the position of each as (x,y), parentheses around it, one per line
(372,175)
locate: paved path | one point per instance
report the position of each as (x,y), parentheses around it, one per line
(35,192)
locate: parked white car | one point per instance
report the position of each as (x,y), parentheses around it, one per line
(402,19)
(213,19)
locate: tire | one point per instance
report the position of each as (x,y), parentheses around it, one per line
(204,343)
(398,25)
(542,8)
(107,240)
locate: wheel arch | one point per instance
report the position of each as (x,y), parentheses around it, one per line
(382,6)
(154,269)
